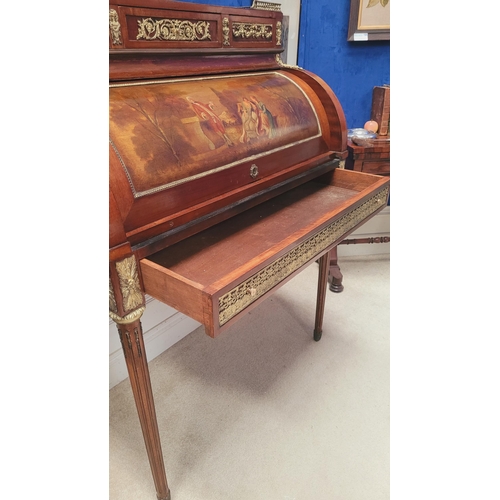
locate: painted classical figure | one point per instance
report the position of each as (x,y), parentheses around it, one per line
(210,123)
(265,123)
(249,118)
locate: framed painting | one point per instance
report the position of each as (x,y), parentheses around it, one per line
(369,20)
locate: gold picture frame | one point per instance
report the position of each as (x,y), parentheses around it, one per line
(369,20)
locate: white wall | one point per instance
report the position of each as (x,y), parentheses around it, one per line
(162,326)
(291,8)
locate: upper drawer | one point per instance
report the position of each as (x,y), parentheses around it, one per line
(224,271)
(189,28)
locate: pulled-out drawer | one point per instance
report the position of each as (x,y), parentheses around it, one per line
(226,270)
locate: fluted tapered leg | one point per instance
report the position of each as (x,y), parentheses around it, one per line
(126,305)
(137,366)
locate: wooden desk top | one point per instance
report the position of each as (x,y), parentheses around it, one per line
(384,146)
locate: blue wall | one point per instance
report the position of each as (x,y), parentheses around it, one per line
(351,69)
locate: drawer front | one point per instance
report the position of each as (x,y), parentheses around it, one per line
(247,292)
(377,167)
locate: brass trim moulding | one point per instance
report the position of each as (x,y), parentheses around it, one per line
(129,318)
(284,65)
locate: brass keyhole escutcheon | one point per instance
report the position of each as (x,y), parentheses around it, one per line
(254,171)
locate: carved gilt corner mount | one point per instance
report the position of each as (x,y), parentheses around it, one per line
(284,65)
(126,302)
(114,27)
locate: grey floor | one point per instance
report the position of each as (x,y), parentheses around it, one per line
(265,413)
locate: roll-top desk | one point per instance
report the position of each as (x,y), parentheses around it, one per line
(226,174)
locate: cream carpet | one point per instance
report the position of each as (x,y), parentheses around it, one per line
(265,413)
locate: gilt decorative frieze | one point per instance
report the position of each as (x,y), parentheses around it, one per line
(114,28)
(260,283)
(252,30)
(173,30)
(258,4)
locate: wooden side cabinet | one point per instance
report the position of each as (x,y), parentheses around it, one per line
(372,160)
(369,159)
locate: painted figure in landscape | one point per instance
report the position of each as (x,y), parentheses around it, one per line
(210,123)
(266,122)
(249,118)
(172,132)
(256,119)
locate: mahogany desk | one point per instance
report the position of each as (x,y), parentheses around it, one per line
(226,174)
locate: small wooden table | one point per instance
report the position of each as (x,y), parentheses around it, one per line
(373,159)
